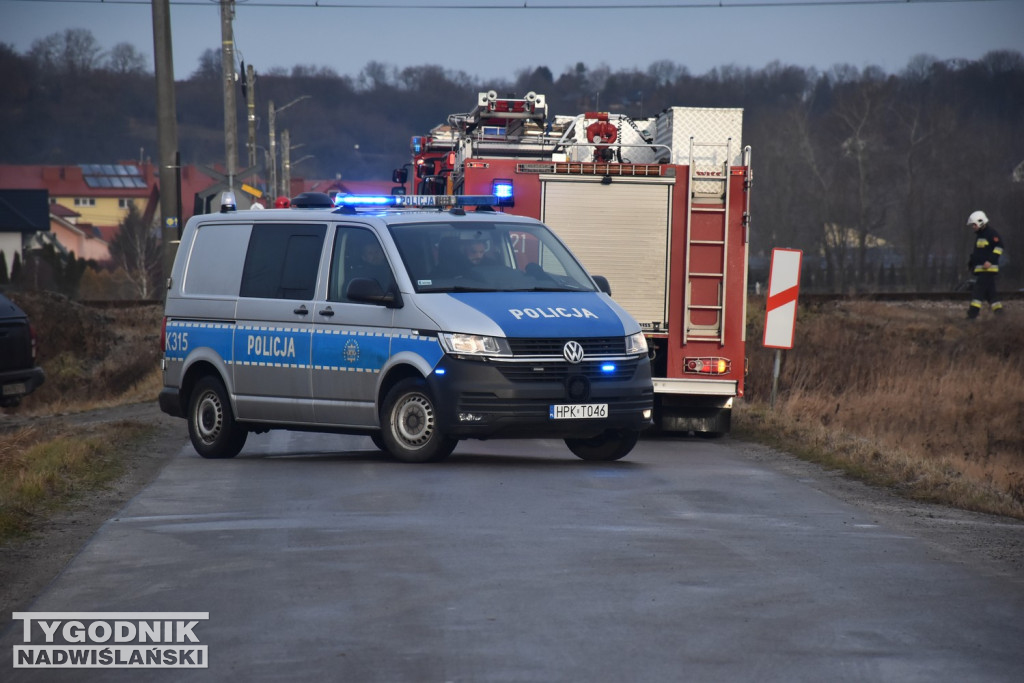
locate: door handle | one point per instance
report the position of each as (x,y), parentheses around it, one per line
(327,311)
(301,310)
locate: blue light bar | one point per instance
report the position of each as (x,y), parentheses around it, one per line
(364,200)
(419,200)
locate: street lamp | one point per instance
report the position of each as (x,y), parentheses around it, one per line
(272,116)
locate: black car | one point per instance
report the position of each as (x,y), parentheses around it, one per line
(19,374)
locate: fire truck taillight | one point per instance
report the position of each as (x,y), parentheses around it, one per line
(707,366)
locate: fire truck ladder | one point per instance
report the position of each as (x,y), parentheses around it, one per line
(707,221)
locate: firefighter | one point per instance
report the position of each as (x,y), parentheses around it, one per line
(984,263)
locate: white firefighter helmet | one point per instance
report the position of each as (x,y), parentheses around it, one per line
(978,218)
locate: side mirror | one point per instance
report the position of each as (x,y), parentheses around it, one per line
(602,284)
(399,176)
(369,291)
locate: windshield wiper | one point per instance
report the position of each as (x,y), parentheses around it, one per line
(467,288)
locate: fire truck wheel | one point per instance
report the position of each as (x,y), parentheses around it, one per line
(409,420)
(610,445)
(211,424)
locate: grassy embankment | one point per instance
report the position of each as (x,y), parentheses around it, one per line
(911,397)
(93,359)
(908,397)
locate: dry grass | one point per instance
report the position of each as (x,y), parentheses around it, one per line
(93,358)
(912,397)
(42,470)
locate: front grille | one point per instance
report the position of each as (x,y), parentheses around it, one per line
(592,346)
(559,371)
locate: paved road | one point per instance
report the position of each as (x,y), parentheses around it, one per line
(319,559)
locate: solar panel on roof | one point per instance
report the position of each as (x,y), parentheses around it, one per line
(113,176)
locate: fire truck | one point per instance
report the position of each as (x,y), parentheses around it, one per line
(660,207)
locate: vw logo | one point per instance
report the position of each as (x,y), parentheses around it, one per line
(573,352)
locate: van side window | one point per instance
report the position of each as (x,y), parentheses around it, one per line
(282,261)
(215,264)
(357,253)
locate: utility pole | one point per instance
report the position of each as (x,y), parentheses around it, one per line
(227,60)
(286,163)
(250,104)
(272,151)
(167,132)
(272,147)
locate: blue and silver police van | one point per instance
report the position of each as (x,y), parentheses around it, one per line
(417,321)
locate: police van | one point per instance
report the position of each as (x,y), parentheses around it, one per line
(411,320)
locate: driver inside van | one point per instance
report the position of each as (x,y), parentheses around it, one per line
(458,257)
(372,264)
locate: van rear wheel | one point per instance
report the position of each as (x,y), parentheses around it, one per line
(211,424)
(409,426)
(612,444)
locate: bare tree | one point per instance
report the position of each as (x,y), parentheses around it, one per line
(136,249)
(73,52)
(209,66)
(124,58)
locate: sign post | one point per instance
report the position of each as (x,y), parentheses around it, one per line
(780,318)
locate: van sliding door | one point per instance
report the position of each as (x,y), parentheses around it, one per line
(272,345)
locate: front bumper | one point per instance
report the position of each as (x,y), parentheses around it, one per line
(483,399)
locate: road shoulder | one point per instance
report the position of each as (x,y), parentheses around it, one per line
(28,565)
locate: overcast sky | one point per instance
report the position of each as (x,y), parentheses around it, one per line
(491,43)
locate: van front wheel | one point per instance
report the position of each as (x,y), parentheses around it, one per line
(612,444)
(409,426)
(211,424)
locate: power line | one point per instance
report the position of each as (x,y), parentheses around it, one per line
(526,4)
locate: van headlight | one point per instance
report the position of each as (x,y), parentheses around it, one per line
(636,344)
(460,344)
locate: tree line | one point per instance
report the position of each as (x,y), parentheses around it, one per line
(871,174)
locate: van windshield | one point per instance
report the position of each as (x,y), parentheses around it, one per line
(487,256)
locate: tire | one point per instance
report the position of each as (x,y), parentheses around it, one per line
(211,424)
(409,427)
(610,445)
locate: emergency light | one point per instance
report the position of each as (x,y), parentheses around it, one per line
(423,200)
(502,189)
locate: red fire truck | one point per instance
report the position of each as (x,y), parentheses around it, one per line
(660,207)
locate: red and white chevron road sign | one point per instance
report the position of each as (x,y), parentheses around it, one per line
(783,287)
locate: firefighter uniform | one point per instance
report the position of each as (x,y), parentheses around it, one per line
(984,263)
